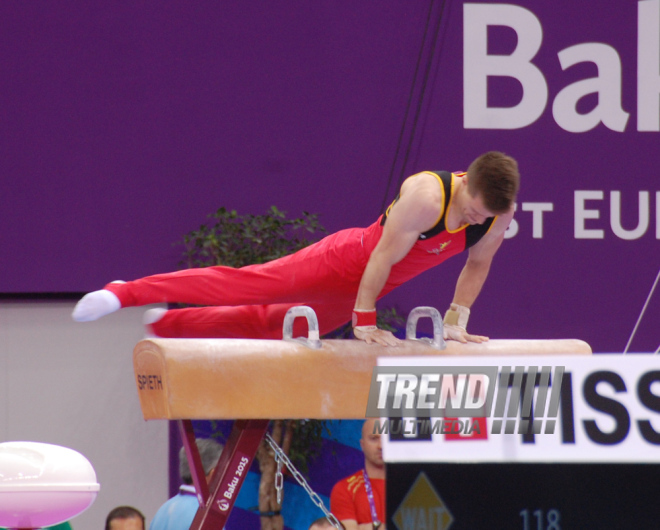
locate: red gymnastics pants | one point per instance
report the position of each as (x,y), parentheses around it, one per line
(251,302)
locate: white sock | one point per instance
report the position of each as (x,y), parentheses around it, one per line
(151,316)
(95,305)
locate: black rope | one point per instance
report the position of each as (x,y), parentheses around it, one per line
(433,81)
(409,104)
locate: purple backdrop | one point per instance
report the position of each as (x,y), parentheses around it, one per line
(124,125)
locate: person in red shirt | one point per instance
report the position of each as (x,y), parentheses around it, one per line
(358,501)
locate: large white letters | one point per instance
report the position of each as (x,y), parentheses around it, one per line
(582,213)
(590,218)
(648,65)
(607,85)
(478,65)
(657,214)
(537,209)
(615,216)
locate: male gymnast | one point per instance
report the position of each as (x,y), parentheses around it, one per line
(435,216)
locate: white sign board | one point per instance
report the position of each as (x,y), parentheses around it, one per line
(608,410)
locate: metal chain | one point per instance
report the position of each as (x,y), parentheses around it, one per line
(279,478)
(280,457)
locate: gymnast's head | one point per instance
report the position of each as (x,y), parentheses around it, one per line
(494,177)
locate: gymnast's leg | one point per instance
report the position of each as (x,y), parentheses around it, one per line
(247,322)
(330,267)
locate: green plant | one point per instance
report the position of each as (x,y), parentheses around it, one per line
(237,240)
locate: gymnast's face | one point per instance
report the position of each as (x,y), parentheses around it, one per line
(471,207)
(473,210)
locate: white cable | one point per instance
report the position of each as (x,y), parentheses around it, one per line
(642,313)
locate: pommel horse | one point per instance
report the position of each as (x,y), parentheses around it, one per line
(261,380)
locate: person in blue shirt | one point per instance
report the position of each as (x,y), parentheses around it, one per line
(179,511)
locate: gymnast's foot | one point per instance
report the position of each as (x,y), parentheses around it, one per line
(95,305)
(150,317)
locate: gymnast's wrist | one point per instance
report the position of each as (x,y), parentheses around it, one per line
(457,315)
(364,319)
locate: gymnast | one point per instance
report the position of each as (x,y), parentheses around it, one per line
(435,216)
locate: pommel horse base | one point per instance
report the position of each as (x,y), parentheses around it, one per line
(260,380)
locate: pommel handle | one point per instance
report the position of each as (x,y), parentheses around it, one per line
(438,341)
(312,340)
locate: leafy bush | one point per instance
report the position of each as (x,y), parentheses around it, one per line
(238,240)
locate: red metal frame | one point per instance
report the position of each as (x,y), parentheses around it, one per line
(217,499)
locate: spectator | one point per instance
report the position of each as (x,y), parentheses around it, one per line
(358,501)
(178,512)
(124,518)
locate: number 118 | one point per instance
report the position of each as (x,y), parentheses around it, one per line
(552,519)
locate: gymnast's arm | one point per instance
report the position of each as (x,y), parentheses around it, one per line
(418,208)
(474,274)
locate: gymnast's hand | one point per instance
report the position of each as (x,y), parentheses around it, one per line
(454,332)
(455,325)
(373,335)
